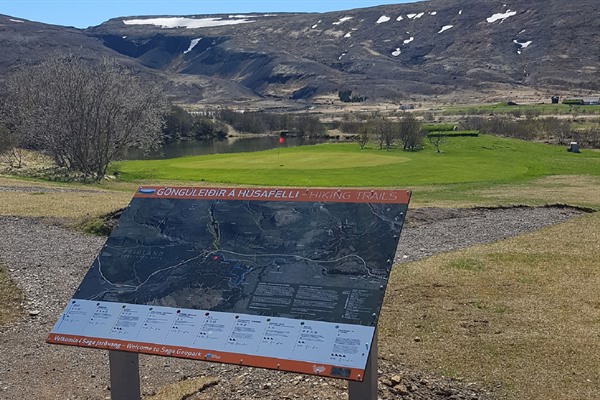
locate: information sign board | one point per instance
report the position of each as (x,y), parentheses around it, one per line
(289,279)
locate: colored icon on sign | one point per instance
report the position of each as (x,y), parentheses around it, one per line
(146,191)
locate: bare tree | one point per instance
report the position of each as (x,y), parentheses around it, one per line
(308,125)
(591,136)
(409,132)
(556,129)
(7,140)
(9,153)
(84,115)
(382,129)
(436,140)
(362,139)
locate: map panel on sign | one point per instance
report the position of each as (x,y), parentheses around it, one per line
(180,257)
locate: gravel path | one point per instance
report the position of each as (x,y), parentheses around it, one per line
(48,262)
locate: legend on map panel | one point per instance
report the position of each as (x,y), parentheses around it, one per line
(264,341)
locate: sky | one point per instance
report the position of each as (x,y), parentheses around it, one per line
(85,13)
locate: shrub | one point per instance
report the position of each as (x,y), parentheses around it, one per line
(453,133)
(573,101)
(438,127)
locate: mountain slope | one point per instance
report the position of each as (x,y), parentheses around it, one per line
(436,47)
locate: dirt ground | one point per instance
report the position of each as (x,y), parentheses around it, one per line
(47,262)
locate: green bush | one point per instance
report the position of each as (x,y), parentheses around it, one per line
(438,127)
(573,101)
(453,133)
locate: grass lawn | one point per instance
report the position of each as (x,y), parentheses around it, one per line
(521,314)
(69,202)
(485,158)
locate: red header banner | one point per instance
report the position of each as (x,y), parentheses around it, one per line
(276,194)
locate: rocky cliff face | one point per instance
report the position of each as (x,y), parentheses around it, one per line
(386,52)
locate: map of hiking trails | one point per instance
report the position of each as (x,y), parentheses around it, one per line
(289,279)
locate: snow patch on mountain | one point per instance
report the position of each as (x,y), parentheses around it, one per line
(183,22)
(522,45)
(342,20)
(193,44)
(501,16)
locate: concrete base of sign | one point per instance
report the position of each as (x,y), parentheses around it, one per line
(367,389)
(124,375)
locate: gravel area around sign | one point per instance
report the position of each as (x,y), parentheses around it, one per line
(48,262)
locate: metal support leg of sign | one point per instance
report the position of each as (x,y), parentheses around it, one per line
(367,389)
(124,375)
